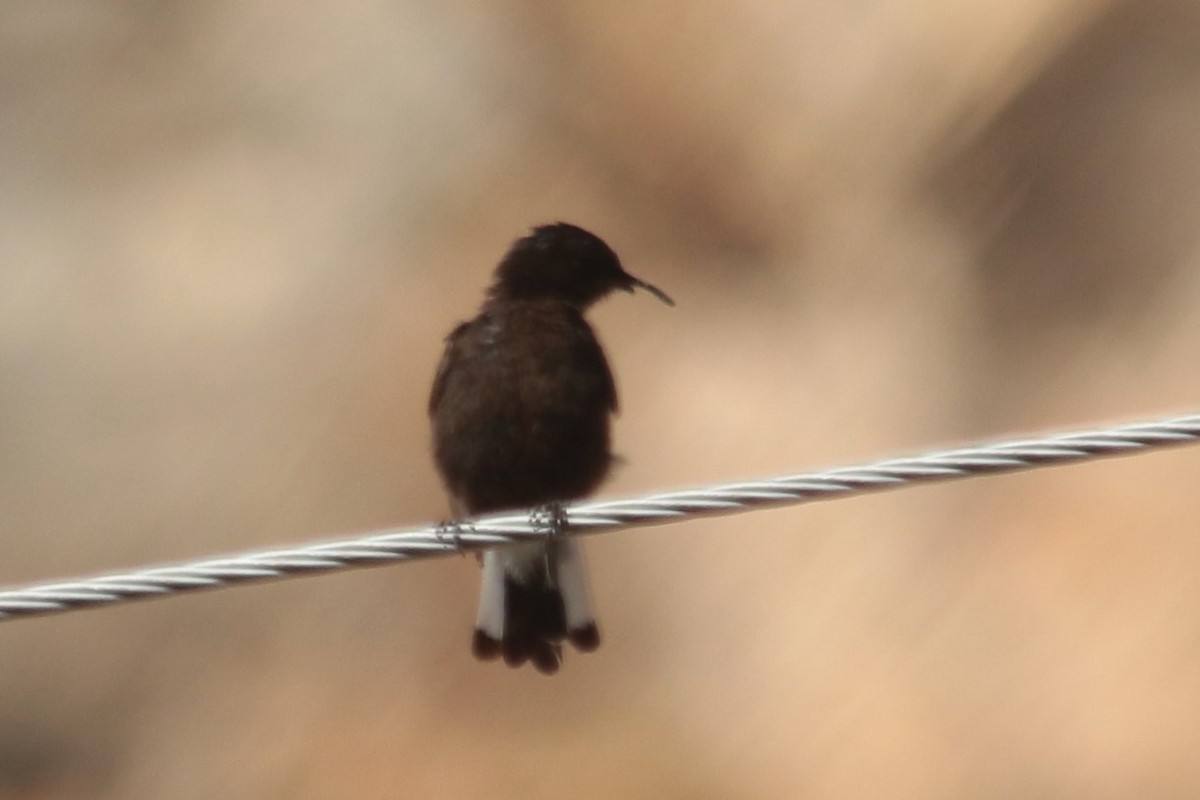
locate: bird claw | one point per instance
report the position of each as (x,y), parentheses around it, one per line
(449,532)
(550,519)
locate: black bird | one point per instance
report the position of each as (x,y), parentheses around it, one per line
(520,409)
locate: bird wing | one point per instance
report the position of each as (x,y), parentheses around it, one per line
(439,380)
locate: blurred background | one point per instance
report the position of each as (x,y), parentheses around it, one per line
(233,235)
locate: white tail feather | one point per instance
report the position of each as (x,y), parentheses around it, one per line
(520,564)
(572,583)
(490,618)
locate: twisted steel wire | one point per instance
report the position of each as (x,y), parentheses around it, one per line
(382,547)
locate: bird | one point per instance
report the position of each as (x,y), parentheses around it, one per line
(520,410)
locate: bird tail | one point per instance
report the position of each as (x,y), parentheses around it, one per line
(533,596)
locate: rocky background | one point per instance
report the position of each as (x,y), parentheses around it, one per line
(232,236)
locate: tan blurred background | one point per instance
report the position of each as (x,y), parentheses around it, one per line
(232,236)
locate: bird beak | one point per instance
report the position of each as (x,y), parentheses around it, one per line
(637,283)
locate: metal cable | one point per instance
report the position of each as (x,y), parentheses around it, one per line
(383,547)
